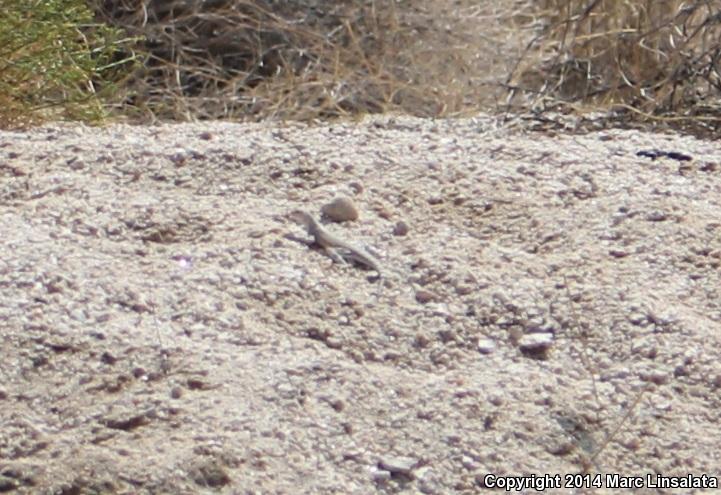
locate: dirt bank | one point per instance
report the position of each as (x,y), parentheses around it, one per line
(165,332)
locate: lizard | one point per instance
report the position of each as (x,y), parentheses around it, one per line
(336,248)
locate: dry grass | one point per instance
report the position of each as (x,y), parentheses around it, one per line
(300,59)
(653,59)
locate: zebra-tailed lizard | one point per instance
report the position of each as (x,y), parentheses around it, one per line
(338,249)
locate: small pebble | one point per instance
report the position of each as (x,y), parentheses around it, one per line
(398,465)
(424,296)
(76,164)
(486,346)
(380,475)
(464,290)
(108,358)
(341,209)
(209,474)
(400,229)
(8,484)
(429,482)
(716,382)
(659,377)
(637,319)
(384,213)
(657,216)
(496,400)
(469,463)
(356,186)
(536,345)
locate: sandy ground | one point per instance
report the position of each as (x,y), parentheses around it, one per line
(164,330)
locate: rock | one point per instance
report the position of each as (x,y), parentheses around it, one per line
(356,186)
(209,474)
(468,463)
(179,157)
(126,420)
(8,484)
(637,319)
(617,253)
(657,216)
(108,358)
(76,164)
(380,475)
(716,382)
(400,229)
(657,376)
(486,346)
(536,345)
(429,482)
(424,296)
(560,448)
(496,400)
(384,213)
(464,290)
(341,209)
(398,465)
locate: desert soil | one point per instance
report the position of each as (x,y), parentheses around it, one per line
(554,308)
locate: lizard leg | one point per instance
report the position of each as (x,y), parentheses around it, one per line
(335,256)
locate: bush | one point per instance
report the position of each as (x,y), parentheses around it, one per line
(54,59)
(655,59)
(297,59)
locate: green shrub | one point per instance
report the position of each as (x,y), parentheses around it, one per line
(54,61)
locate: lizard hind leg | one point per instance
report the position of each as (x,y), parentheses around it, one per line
(335,256)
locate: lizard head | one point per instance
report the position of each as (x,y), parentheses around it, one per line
(301,217)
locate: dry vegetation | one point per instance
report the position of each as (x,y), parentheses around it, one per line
(301,59)
(648,59)
(643,60)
